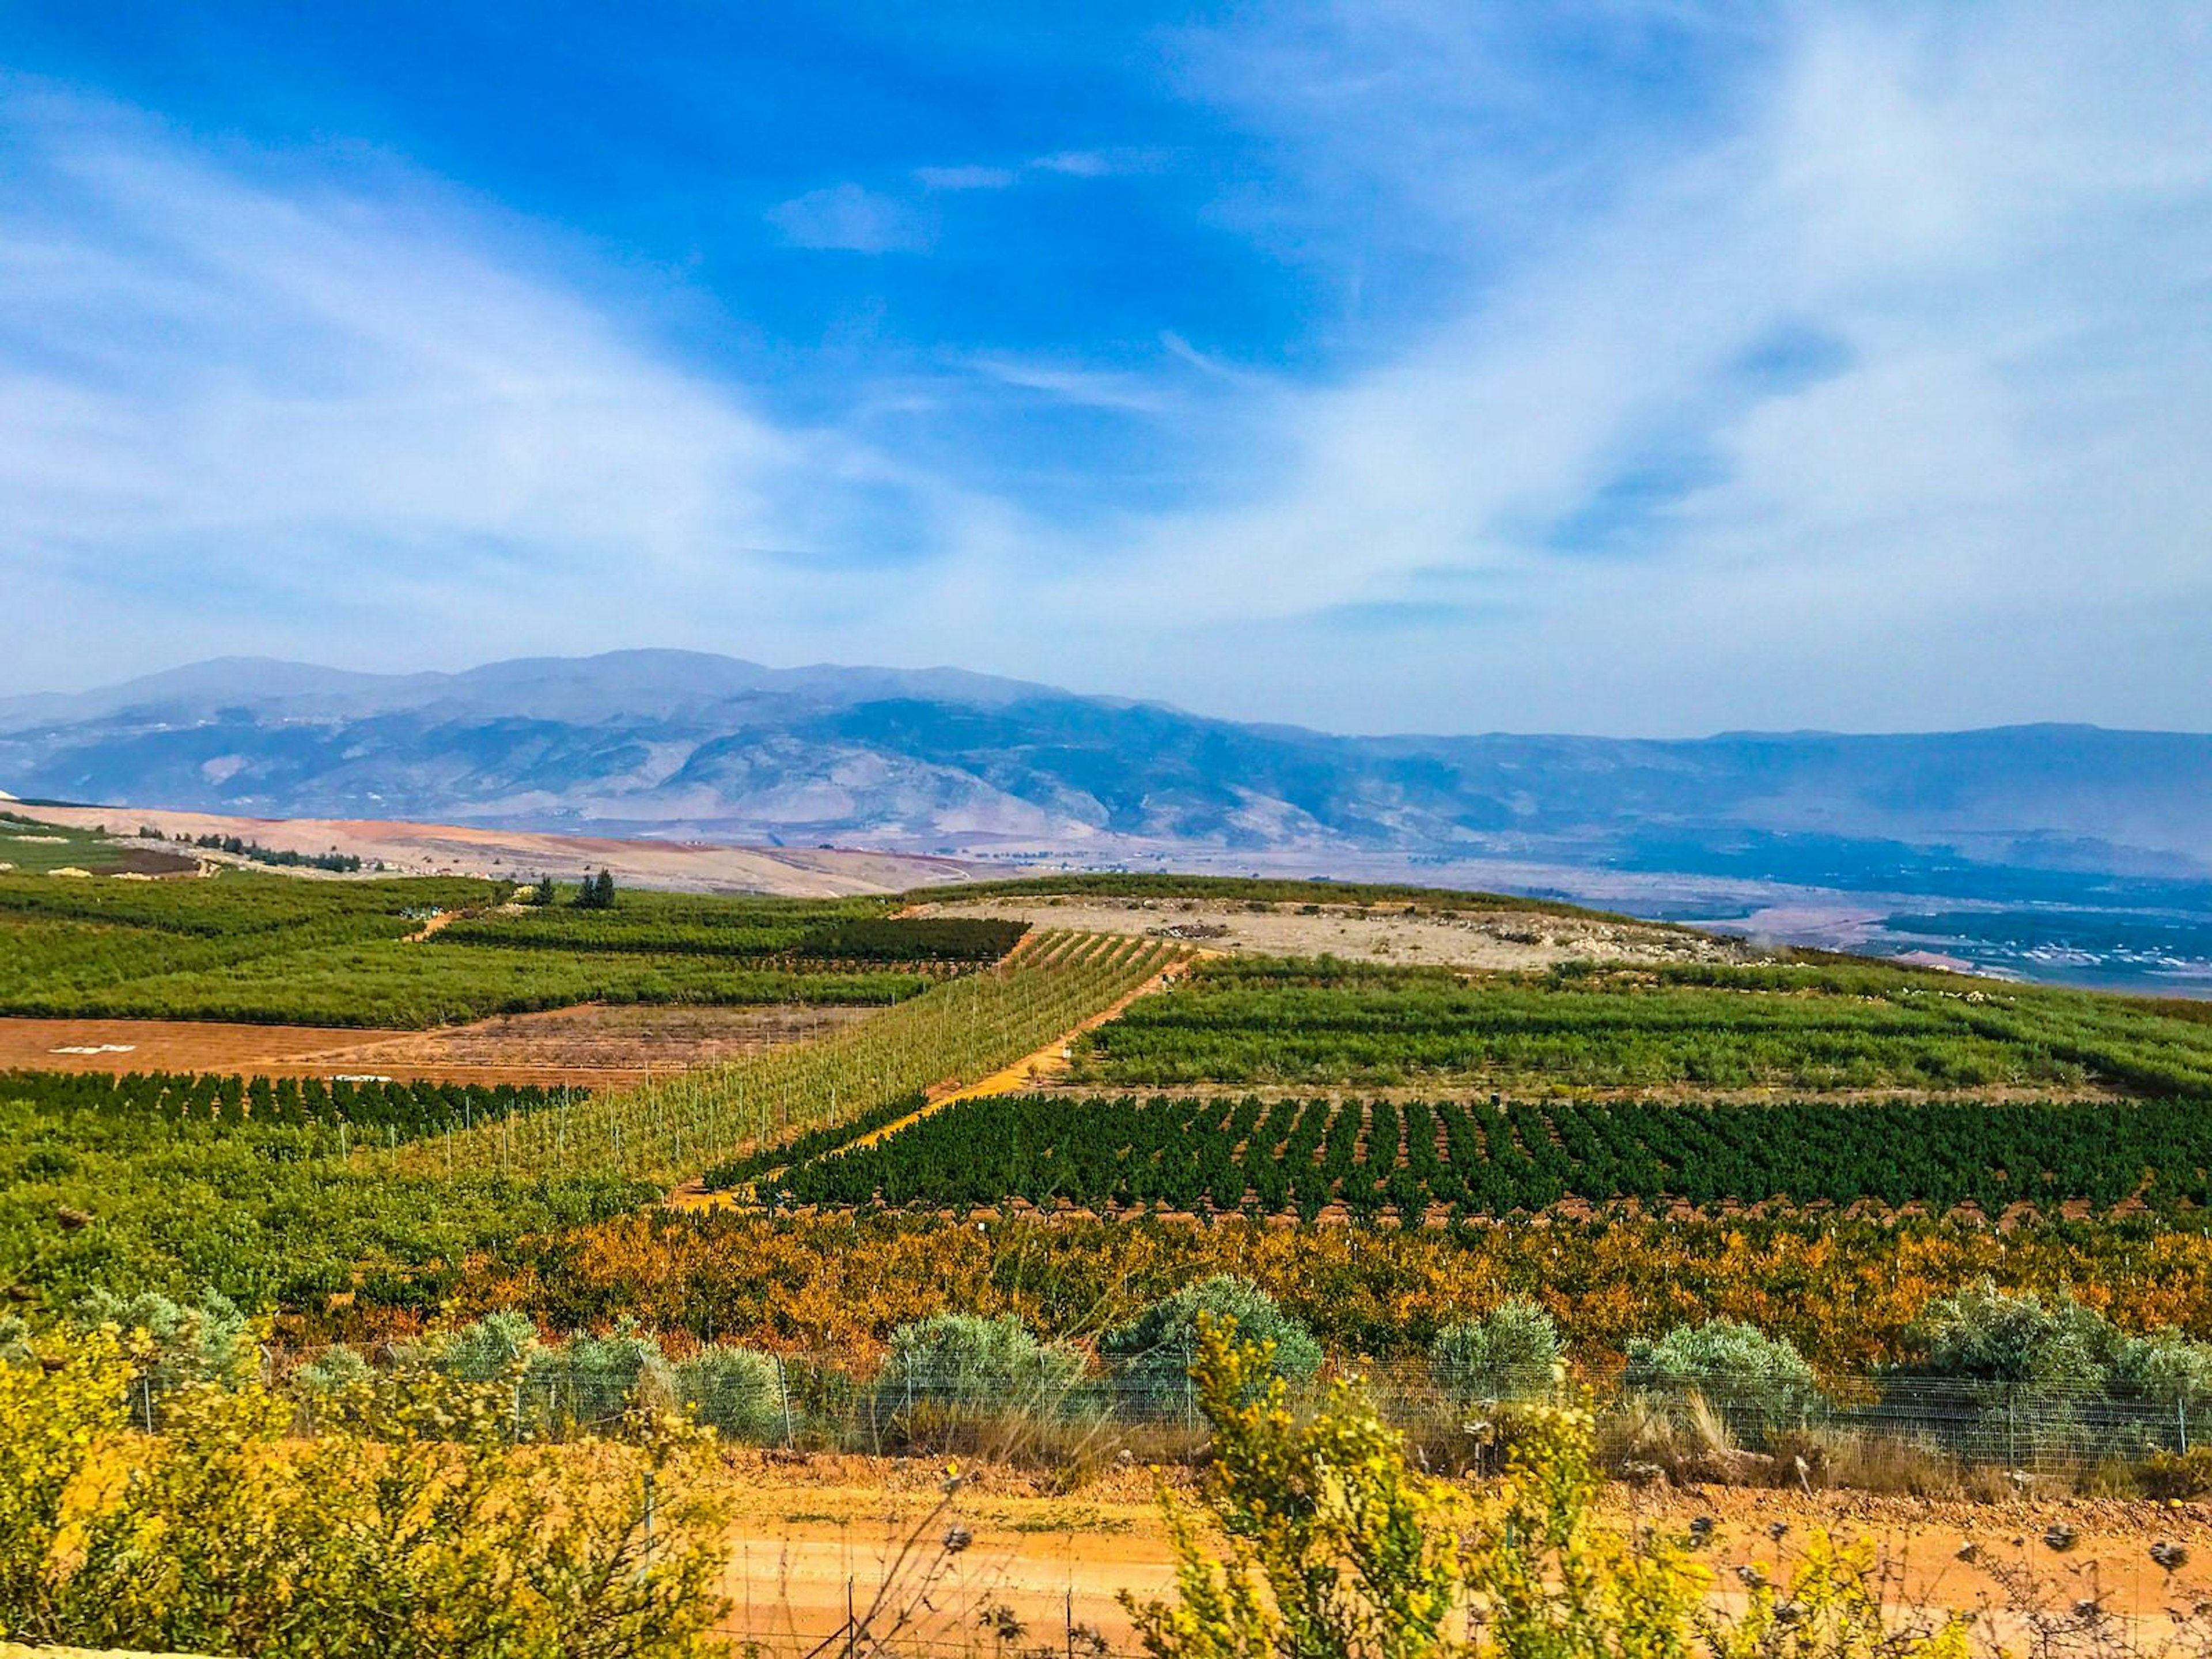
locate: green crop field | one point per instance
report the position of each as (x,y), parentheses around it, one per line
(33,849)
(177,1183)
(266,948)
(1802,1027)
(1290,1154)
(1354,1100)
(285,1195)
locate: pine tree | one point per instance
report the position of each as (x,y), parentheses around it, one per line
(603,892)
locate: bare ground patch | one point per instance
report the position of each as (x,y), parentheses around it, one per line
(807,1528)
(1474,938)
(589,1046)
(420,849)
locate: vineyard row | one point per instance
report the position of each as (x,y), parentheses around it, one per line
(1303,1155)
(956,1032)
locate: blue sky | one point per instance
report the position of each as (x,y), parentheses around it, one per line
(1653,368)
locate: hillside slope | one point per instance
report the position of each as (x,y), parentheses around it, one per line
(669,742)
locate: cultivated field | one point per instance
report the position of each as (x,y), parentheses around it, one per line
(917,1184)
(587,1046)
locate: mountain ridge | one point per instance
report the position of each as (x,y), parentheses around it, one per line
(692,743)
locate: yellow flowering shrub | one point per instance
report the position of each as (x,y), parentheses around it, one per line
(59,1409)
(1335,1545)
(1324,1543)
(409,1524)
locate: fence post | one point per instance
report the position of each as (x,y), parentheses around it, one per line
(783,1393)
(2181,1421)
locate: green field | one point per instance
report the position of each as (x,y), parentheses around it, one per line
(33,849)
(1323,1091)
(258,947)
(1384,1157)
(177,1184)
(283,1195)
(1821,1026)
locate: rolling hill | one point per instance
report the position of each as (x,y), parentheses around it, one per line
(676,743)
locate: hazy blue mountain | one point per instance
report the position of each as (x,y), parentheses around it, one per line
(687,743)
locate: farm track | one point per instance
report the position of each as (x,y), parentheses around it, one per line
(1027,1071)
(1023,1073)
(807,1527)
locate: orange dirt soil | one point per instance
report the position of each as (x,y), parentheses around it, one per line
(813,1535)
(808,1527)
(588,1046)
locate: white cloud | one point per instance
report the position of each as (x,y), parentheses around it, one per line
(1090,388)
(1980,513)
(852,219)
(965,178)
(284,411)
(237,416)
(1076,163)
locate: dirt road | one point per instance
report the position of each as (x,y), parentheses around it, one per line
(1032,1070)
(807,1531)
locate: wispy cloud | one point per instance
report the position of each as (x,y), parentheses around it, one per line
(966,178)
(1884,373)
(1065,163)
(1648,367)
(852,219)
(1129,393)
(269,413)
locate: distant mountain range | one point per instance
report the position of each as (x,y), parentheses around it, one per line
(678,743)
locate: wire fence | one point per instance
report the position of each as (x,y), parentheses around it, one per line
(1149,1411)
(799,1592)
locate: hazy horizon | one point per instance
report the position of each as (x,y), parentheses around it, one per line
(1104,694)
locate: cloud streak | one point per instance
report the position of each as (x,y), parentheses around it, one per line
(237,413)
(1857,372)
(1978,508)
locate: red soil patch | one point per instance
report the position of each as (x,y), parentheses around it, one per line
(588,1046)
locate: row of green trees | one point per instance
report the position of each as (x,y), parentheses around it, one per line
(419,1107)
(961,1029)
(338,863)
(1194,1154)
(813,932)
(592,892)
